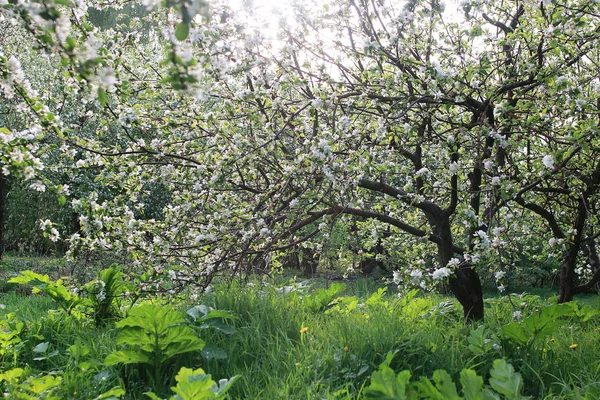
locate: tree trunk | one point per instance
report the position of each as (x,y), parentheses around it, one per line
(589,249)
(465,283)
(567,275)
(2,190)
(466,287)
(567,270)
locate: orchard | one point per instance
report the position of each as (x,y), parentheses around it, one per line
(182,153)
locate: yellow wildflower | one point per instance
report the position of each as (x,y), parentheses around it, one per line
(573,346)
(303,330)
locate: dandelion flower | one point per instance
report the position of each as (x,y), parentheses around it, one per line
(573,346)
(303,330)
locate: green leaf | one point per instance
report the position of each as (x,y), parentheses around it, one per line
(102,96)
(219,325)
(515,332)
(113,393)
(505,380)
(219,314)
(385,384)
(472,384)
(41,348)
(42,384)
(182,31)
(193,384)
(12,375)
(443,382)
(127,357)
(213,352)
(224,385)
(427,390)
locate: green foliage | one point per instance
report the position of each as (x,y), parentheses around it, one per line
(112,394)
(99,298)
(55,289)
(337,358)
(10,339)
(386,384)
(196,385)
(546,321)
(153,335)
(205,317)
(505,380)
(321,299)
(103,294)
(479,341)
(18,384)
(182,31)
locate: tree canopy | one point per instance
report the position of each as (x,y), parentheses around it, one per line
(452,137)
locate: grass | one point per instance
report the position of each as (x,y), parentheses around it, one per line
(283,349)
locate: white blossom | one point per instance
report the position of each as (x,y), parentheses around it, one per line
(397,277)
(517,315)
(548,161)
(441,273)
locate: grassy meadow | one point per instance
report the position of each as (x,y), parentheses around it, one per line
(314,339)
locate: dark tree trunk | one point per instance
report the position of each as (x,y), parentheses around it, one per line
(466,286)
(465,283)
(2,198)
(567,275)
(589,249)
(567,270)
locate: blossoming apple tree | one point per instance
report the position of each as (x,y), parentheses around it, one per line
(424,125)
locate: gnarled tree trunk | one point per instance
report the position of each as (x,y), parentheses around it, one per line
(465,283)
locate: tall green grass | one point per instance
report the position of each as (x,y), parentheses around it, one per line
(284,349)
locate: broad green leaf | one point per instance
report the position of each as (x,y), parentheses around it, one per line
(427,390)
(102,96)
(133,336)
(182,31)
(199,311)
(113,393)
(489,394)
(194,385)
(472,384)
(41,384)
(385,384)
(127,357)
(12,375)
(220,314)
(443,382)
(41,348)
(219,325)
(183,346)
(515,332)
(505,380)
(212,351)
(225,384)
